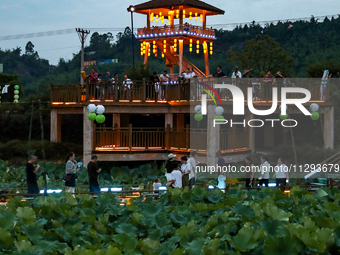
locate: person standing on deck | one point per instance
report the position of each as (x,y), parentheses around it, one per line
(31,170)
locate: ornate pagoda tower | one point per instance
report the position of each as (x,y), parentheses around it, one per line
(168,28)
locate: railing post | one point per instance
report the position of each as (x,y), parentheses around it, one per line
(130,136)
(79,93)
(116,90)
(254,183)
(144,90)
(167,136)
(151,187)
(187,138)
(330,183)
(87,91)
(204,184)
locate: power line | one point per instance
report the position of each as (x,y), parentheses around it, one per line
(71,30)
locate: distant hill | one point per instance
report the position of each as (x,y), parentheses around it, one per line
(308,42)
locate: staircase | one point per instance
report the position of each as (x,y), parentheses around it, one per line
(173,59)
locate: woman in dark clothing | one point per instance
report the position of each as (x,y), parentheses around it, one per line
(248,169)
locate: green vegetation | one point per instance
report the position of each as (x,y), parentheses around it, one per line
(179,222)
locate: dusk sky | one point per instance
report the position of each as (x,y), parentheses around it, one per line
(32,16)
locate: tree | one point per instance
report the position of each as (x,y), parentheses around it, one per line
(315,70)
(29,50)
(263,54)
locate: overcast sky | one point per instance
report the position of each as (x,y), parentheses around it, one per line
(31,16)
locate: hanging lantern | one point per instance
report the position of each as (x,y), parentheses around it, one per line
(183,14)
(149,52)
(162,21)
(195,16)
(177,14)
(162,55)
(92,116)
(211,48)
(156,18)
(190,15)
(201,18)
(205,47)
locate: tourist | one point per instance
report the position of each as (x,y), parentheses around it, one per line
(279,79)
(246,72)
(249,169)
(192,73)
(256,89)
(114,82)
(268,78)
(93,76)
(99,87)
(128,86)
(31,177)
(93,171)
(219,73)
(169,166)
(108,81)
(281,173)
(186,170)
(164,82)
(176,177)
(187,75)
(71,169)
(192,175)
(236,73)
(154,80)
(265,168)
(156,184)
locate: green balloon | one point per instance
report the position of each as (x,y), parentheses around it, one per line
(198,117)
(283,117)
(219,118)
(92,116)
(16,101)
(100,118)
(16,96)
(16,92)
(315,116)
(16,87)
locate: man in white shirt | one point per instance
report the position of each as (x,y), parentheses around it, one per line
(192,73)
(192,175)
(187,75)
(265,168)
(236,73)
(176,177)
(128,86)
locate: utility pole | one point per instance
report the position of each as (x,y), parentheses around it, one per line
(82,36)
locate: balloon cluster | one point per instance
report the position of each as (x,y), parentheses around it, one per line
(96,113)
(314,108)
(16,94)
(218,110)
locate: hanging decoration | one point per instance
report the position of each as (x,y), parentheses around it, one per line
(211,48)
(201,16)
(183,14)
(198,47)
(190,45)
(175,45)
(195,16)
(190,15)
(16,94)
(156,18)
(177,14)
(198,116)
(315,116)
(283,117)
(205,47)
(141,49)
(164,46)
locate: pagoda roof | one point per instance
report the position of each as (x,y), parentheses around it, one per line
(170,4)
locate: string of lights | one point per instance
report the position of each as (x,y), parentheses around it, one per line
(118,29)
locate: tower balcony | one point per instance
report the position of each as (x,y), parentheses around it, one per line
(166,31)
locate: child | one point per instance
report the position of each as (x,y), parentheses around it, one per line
(156,184)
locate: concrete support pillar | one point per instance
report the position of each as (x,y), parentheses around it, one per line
(180,44)
(213,137)
(55,135)
(88,137)
(328,131)
(169,120)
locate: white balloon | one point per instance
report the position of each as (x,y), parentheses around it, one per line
(100,109)
(314,107)
(198,108)
(219,110)
(286,107)
(91,108)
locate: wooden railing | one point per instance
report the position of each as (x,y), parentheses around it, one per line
(168,31)
(166,138)
(179,89)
